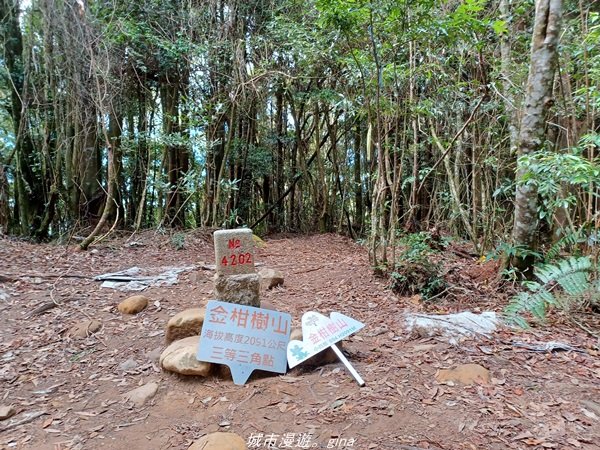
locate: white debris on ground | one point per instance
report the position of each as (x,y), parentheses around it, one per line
(3,295)
(453,325)
(137,279)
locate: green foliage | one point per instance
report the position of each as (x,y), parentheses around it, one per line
(570,240)
(178,241)
(572,275)
(553,173)
(415,272)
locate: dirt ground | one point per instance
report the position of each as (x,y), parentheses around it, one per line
(72,389)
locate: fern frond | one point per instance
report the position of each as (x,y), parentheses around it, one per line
(548,273)
(567,241)
(571,274)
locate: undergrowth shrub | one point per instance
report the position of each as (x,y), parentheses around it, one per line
(178,241)
(414,271)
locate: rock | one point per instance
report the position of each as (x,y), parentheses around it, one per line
(219,441)
(7,411)
(327,356)
(3,293)
(185,324)
(141,395)
(133,304)
(180,357)
(84,329)
(240,289)
(464,374)
(130,364)
(270,278)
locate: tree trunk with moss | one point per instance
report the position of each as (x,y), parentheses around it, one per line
(538,99)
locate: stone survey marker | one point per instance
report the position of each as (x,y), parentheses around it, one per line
(236,281)
(245,339)
(234,251)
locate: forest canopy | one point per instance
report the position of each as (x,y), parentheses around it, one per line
(369,118)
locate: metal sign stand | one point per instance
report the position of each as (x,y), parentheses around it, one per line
(351,369)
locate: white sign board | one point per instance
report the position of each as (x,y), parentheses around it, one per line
(244,338)
(320,332)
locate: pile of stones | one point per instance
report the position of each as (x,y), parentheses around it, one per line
(235,281)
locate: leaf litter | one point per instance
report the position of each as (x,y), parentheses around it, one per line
(68,392)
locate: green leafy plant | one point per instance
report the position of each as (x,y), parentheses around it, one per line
(566,284)
(569,241)
(415,272)
(178,241)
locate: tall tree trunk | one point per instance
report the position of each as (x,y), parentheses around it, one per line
(538,99)
(29,196)
(358,188)
(4,195)
(112,139)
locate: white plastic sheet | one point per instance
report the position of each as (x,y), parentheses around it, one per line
(137,279)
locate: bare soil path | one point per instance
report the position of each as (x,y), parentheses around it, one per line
(67,393)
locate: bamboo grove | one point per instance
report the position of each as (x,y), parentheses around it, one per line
(367,118)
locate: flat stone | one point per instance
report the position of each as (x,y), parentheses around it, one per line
(130,364)
(270,278)
(7,411)
(234,251)
(84,329)
(219,441)
(180,357)
(141,395)
(185,324)
(326,356)
(133,304)
(464,374)
(240,289)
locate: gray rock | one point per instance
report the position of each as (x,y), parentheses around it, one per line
(130,364)
(141,395)
(180,357)
(185,324)
(240,289)
(270,278)
(234,251)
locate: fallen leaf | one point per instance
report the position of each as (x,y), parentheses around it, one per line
(589,414)
(523,435)
(47,422)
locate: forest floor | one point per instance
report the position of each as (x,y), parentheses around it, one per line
(68,393)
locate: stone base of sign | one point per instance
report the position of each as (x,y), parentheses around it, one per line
(180,357)
(327,356)
(184,324)
(241,289)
